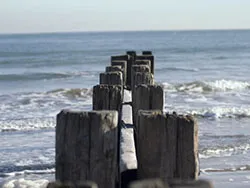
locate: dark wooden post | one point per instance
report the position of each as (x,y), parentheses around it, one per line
(142,78)
(147,53)
(111,78)
(147,97)
(140,68)
(86,147)
(150,183)
(189,184)
(123,64)
(129,64)
(132,56)
(143,62)
(156,145)
(187,153)
(115,68)
(147,57)
(135,80)
(107,97)
(170,144)
(85,184)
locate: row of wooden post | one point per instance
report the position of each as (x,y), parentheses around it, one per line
(127,136)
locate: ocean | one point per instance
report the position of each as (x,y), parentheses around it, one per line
(204,73)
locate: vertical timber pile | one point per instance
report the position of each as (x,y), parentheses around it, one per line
(107,97)
(143,62)
(86,147)
(187,148)
(141,75)
(158,183)
(147,57)
(111,78)
(156,145)
(129,61)
(115,68)
(167,146)
(123,64)
(84,184)
(147,97)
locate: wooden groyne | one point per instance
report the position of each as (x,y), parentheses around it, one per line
(127,140)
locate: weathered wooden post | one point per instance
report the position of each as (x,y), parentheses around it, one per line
(189,184)
(149,183)
(167,146)
(143,62)
(86,147)
(117,68)
(111,78)
(158,183)
(144,78)
(156,145)
(132,55)
(123,64)
(147,57)
(85,184)
(187,148)
(147,53)
(147,97)
(129,61)
(107,97)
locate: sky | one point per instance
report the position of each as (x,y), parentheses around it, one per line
(38,16)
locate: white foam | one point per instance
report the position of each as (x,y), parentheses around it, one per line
(27,124)
(224,151)
(225,85)
(26,111)
(22,183)
(207,86)
(219,112)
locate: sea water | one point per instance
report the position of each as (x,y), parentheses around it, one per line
(203,73)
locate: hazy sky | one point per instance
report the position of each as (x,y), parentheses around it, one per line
(28,16)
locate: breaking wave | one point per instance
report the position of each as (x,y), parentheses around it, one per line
(207,86)
(224,151)
(220,112)
(232,169)
(37,110)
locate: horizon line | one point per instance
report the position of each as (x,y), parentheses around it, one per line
(122,31)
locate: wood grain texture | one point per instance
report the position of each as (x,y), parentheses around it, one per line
(156,145)
(107,97)
(190,184)
(187,148)
(111,78)
(143,62)
(139,78)
(147,97)
(85,184)
(86,147)
(114,68)
(150,183)
(129,61)
(147,57)
(123,64)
